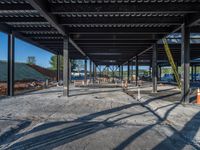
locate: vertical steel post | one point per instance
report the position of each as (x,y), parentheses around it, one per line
(90,71)
(195,72)
(58,67)
(93,72)
(150,68)
(70,71)
(185,62)
(136,71)
(85,71)
(128,71)
(160,72)
(192,73)
(154,68)
(122,74)
(119,72)
(11,64)
(66,66)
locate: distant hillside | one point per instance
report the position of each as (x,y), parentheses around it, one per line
(22,72)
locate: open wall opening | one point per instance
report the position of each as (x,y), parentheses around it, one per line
(3,63)
(34,67)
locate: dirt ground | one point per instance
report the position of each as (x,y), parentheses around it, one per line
(91,118)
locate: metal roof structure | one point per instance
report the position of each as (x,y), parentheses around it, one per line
(109,32)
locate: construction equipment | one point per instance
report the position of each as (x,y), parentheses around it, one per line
(171,61)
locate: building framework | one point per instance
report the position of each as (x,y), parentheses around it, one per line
(108,32)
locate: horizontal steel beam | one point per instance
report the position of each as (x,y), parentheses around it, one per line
(121,30)
(15,7)
(34,29)
(121,20)
(115,41)
(22,19)
(117,36)
(64,8)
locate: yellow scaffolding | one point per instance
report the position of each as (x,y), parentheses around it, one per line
(171,61)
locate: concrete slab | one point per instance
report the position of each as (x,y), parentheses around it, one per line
(90,118)
(166,104)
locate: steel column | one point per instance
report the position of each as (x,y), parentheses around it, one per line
(185,63)
(122,74)
(66,66)
(192,73)
(11,61)
(154,68)
(90,71)
(128,72)
(150,66)
(136,71)
(119,71)
(160,72)
(58,67)
(85,71)
(195,72)
(93,72)
(70,71)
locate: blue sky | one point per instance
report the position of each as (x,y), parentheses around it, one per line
(23,50)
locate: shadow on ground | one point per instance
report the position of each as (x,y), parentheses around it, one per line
(83,127)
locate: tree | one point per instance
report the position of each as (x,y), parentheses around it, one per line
(31,60)
(53,62)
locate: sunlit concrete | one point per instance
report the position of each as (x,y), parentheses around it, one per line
(90,118)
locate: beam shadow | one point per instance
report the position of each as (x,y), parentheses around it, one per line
(162,145)
(77,130)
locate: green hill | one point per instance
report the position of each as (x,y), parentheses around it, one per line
(22,72)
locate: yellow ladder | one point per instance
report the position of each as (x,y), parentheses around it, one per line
(171,61)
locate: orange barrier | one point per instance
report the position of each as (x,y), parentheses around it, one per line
(198,96)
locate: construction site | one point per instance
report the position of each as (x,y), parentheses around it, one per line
(137,87)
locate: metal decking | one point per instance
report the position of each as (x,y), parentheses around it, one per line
(109,32)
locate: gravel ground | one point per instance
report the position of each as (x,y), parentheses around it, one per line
(104,118)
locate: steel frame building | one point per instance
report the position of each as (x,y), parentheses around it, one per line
(108,32)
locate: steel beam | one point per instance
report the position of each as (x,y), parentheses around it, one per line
(120,30)
(109,8)
(185,62)
(70,21)
(154,68)
(114,41)
(66,66)
(11,64)
(40,6)
(16,7)
(116,37)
